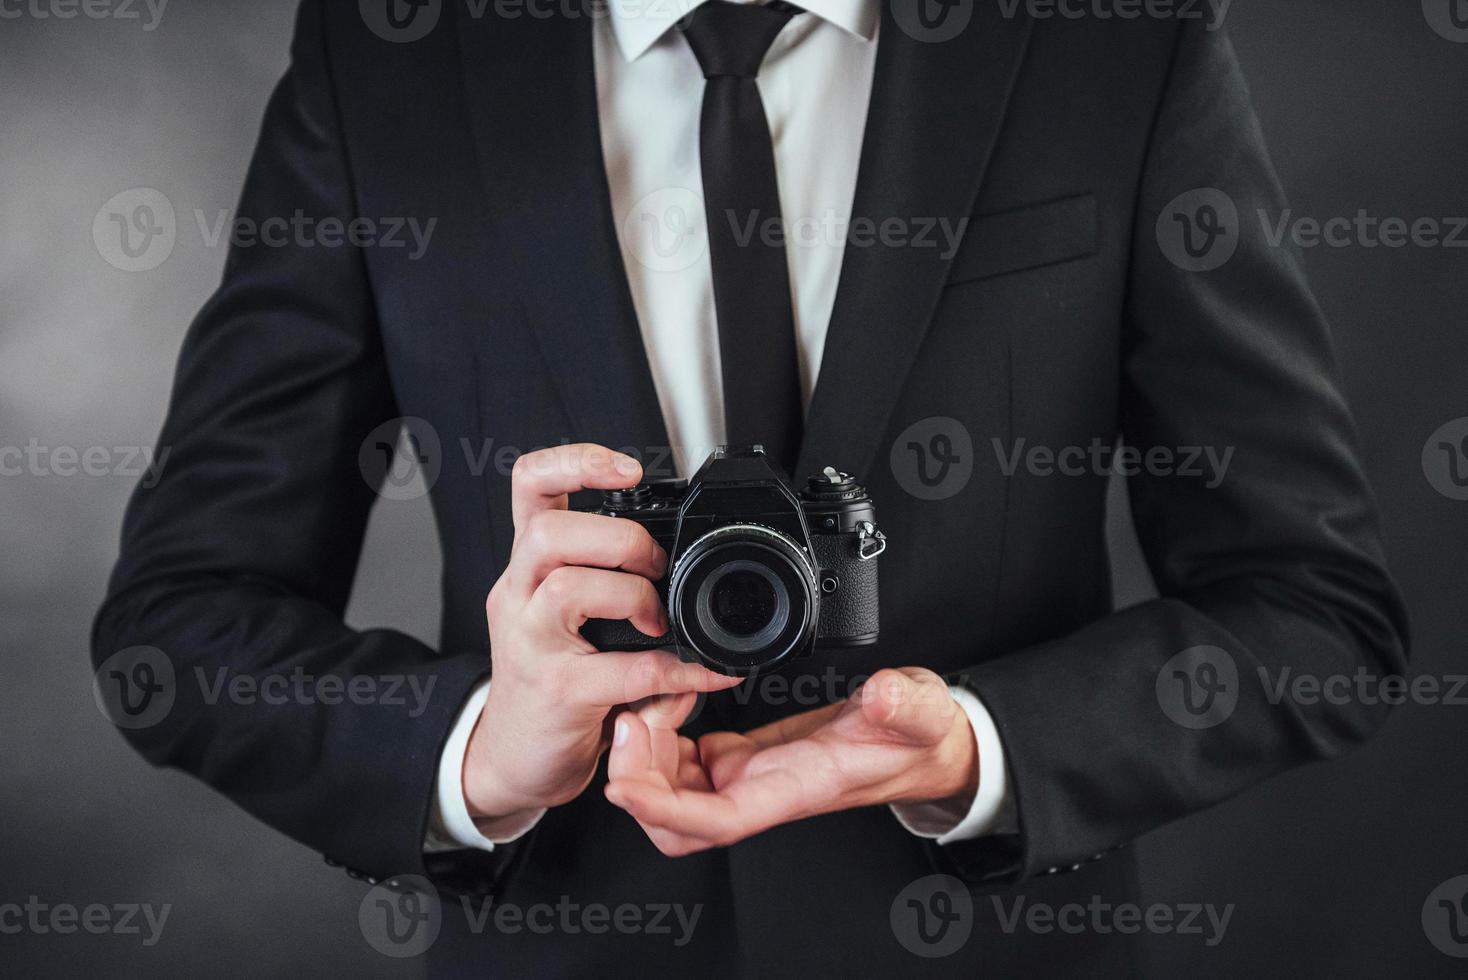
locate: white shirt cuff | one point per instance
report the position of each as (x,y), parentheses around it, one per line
(450,827)
(992,811)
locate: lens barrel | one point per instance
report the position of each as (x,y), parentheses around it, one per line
(744,598)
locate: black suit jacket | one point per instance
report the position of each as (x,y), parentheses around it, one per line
(1059,321)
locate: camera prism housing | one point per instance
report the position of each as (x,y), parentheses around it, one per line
(758,574)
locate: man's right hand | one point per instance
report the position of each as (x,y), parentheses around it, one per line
(546,721)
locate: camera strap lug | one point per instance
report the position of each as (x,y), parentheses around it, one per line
(869,541)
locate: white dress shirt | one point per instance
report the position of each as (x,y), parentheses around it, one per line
(815,83)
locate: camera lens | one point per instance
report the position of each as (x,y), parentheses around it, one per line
(743,598)
(743,606)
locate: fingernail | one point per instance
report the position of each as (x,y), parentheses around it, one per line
(621,731)
(625,464)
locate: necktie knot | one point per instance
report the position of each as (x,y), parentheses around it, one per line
(733,38)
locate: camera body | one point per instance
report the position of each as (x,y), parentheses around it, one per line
(758,573)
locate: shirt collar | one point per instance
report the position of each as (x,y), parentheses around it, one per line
(638,24)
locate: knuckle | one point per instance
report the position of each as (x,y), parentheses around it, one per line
(633,540)
(560,585)
(667,671)
(647,595)
(539,532)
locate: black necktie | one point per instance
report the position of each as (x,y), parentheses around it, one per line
(751,280)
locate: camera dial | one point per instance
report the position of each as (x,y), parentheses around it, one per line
(621,501)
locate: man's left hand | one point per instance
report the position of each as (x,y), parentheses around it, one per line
(901,738)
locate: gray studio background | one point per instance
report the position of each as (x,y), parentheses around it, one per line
(1364,105)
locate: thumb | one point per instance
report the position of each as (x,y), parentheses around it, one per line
(912,705)
(631,754)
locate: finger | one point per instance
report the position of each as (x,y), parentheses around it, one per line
(913,706)
(631,754)
(664,737)
(675,845)
(636,754)
(542,479)
(571,594)
(666,841)
(552,538)
(724,756)
(691,771)
(615,678)
(634,758)
(747,808)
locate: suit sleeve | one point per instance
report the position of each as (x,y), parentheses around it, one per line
(1276,571)
(239,561)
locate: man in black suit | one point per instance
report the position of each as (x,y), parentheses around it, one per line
(1097,286)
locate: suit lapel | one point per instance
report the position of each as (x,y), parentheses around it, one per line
(531,98)
(936,109)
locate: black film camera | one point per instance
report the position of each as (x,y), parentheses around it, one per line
(758,574)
